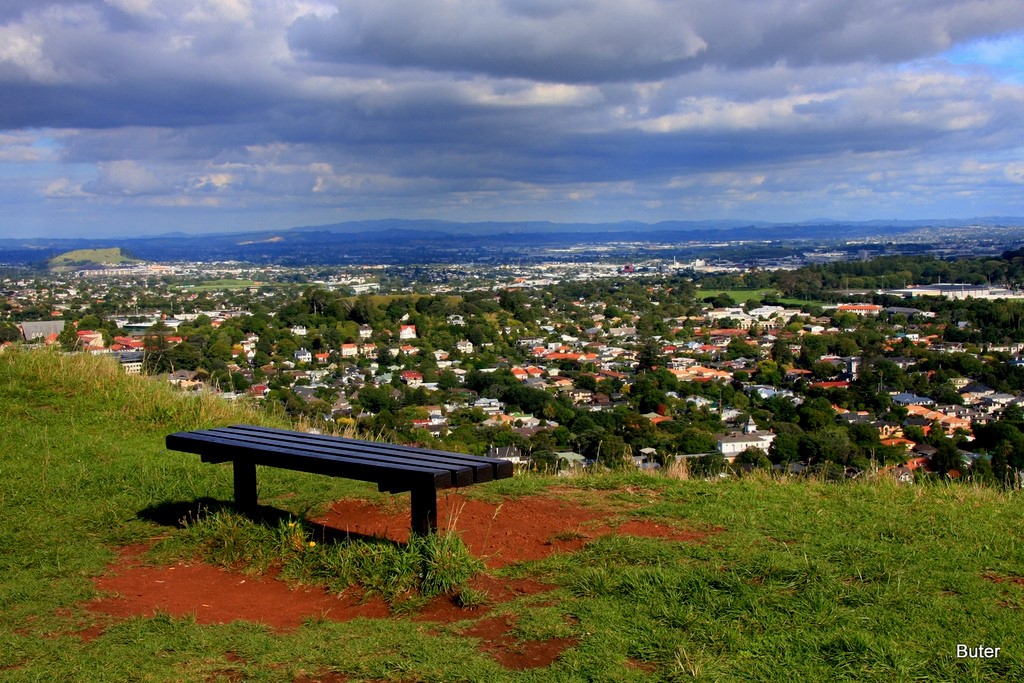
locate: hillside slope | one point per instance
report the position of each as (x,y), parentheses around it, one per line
(79,258)
(794,580)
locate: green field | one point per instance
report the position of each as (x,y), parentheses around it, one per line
(220,285)
(800,580)
(740,296)
(743,296)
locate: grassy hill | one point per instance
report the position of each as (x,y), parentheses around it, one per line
(89,257)
(801,581)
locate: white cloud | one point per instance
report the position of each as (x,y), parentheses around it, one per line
(1015,172)
(211,182)
(125,178)
(208,11)
(22,51)
(63,188)
(138,7)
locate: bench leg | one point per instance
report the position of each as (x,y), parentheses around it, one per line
(424,510)
(245,485)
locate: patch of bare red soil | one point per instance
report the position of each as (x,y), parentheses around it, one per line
(646,667)
(326,677)
(496,639)
(529,528)
(515,530)
(996,578)
(216,596)
(649,529)
(447,608)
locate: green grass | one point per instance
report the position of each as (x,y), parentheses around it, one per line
(423,567)
(221,285)
(805,303)
(89,256)
(795,581)
(740,296)
(743,296)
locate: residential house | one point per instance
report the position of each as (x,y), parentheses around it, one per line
(859,309)
(131,361)
(90,340)
(908,399)
(185,379)
(732,444)
(510,453)
(570,459)
(413,378)
(490,406)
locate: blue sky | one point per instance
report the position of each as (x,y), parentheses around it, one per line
(149,116)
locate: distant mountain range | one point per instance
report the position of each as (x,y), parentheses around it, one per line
(409,241)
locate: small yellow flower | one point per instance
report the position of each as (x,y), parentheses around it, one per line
(312,544)
(291,525)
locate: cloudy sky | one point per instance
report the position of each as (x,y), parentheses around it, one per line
(145,116)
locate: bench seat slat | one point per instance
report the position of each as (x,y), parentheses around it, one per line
(390,476)
(480,469)
(500,468)
(462,475)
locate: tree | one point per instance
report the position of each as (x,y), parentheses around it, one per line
(219,349)
(447,380)
(68,338)
(692,440)
(649,356)
(1000,468)
(785,447)
(981,471)
(768,372)
(947,458)
(645,394)
(184,356)
(375,399)
(826,445)
(90,322)
(545,460)
(613,452)
(865,437)
(816,414)
(708,465)
(9,333)
(755,457)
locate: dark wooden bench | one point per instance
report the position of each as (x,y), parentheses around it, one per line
(395,469)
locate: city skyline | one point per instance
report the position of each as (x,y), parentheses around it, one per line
(144,117)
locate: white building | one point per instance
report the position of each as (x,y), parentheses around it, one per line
(732,444)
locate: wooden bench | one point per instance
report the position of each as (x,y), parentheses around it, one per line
(395,469)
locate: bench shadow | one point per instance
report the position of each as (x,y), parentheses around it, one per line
(180,513)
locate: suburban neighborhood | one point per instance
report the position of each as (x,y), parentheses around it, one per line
(557,367)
